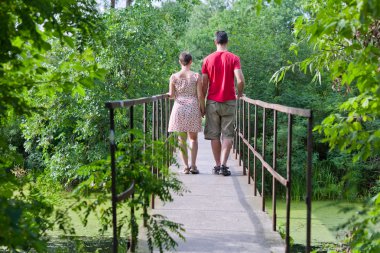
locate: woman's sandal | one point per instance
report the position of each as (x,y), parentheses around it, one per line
(194,170)
(186,170)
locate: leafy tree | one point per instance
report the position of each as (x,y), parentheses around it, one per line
(28,30)
(345,36)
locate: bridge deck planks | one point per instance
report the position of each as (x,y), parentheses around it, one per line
(220,214)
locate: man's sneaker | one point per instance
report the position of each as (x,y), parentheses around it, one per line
(224,171)
(216,170)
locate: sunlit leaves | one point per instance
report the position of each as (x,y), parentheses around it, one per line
(344,38)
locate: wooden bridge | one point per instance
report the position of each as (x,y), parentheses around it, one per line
(226,214)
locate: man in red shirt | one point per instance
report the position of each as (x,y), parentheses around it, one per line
(218,72)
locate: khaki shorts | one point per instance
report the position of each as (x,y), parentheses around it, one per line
(220,120)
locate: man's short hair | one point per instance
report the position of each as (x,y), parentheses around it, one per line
(221,37)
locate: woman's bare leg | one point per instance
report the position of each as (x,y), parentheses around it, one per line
(193,137)
(182,138)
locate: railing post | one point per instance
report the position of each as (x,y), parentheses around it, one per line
(288,187)
(249,139)
(133,220)
(167,150)
(153,139)
(161,102)
(236,128)
(113,175)
(254,156)
(262,166)
(145,129)
(157,122)
(239,148)
(243,148)
(274,215)
(308,181)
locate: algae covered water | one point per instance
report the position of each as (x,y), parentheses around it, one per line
(327,219)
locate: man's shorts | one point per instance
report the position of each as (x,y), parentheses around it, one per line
(220,120)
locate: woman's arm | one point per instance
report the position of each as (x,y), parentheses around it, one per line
(201,96)
(171,92)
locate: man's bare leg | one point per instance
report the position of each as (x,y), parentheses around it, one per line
(226,149)
(216,147)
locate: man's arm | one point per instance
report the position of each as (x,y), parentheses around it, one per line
(205,84)
(240,81)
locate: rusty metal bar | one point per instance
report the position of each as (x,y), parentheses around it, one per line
(236,129)
(288,188)
(153,139)
(241,135)
(309,182)
(274,214)
(269,168)
(160,117)
(249,139)
(133,232)
(145,123)
(254,157)
(262,165)
(167,133)
(127,193)
(113,174)
(239,148)
(130,102)
(145,130)
(281,108)
(243,146)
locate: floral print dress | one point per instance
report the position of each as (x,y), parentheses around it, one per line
(186,114)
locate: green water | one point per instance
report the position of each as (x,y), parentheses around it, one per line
(327,216)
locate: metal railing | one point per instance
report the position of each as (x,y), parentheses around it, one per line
(243,150)
(154,126)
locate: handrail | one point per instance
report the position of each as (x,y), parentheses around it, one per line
(280,108)
(132,102)
(243,148)
(279,178)
(127,193)
(160,114)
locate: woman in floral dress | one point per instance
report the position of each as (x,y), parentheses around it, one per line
(186,88)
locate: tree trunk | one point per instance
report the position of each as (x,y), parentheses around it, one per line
(113,4)
(128,3)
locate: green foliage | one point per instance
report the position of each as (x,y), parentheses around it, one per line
(364,228)
(135,160)
(142,49)
(344,36)
(29,31)
(26,31)
(27,204)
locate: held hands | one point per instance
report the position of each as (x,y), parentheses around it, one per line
(203,111)
(239,95)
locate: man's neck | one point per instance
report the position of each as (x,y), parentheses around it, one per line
(220,47)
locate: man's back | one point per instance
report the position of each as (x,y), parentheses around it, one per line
(220,66)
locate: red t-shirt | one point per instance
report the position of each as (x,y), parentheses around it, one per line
(220,66)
